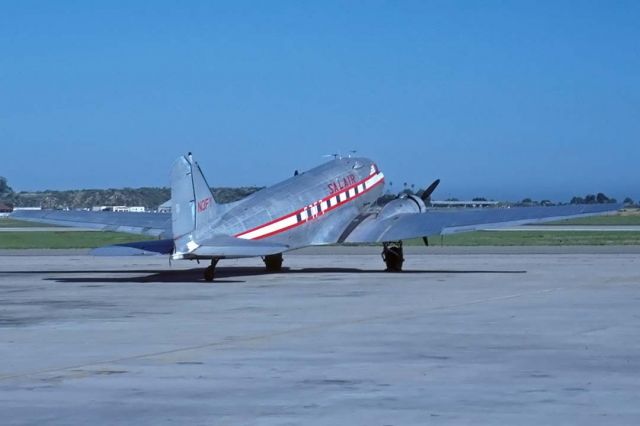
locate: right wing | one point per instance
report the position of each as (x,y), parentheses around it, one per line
(448,221)
(217,246)
(153,224)
(224,246)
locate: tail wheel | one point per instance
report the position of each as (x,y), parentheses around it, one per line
(273,262)
(210,271)
(392,255)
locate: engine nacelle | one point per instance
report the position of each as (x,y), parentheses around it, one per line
(404,204)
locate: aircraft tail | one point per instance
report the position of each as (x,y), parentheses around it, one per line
(192,203)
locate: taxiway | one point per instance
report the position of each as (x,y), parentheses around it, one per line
(456,339)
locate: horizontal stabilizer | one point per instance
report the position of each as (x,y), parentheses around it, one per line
(139,248)
(221,246)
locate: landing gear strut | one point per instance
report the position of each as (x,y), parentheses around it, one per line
(273,262)
(210,271)
(393,256)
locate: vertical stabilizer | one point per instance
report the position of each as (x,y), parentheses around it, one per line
(192,204)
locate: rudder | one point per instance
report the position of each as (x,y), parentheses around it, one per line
(192,203)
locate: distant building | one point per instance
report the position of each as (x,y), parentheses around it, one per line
(120,209)
(465,203)
(15,209)
(5,209)
(108,208)
(165,207)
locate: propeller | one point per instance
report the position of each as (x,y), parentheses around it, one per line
(426,196)
(427,192)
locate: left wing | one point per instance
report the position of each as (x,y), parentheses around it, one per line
(138,248)
(154,224)
(404,226)
(216,246)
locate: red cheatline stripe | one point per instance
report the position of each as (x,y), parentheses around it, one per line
(278,231)
(294,214)
(304,208)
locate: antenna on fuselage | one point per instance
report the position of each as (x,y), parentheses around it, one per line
(352,152)
(335,156)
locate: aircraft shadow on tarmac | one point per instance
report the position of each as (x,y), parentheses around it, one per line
(224,274)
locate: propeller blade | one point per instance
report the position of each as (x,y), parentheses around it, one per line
(426,241)
(427,192)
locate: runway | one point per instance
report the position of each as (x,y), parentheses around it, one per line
(569,228)
(46,229)
(456,339)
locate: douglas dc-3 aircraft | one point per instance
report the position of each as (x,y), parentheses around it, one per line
(334,203)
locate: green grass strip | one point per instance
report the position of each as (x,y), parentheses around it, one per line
(82,239)
(620,220)
(64,240)
(534,238)
(7,222)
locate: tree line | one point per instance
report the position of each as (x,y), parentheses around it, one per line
(152,197)
(149,197)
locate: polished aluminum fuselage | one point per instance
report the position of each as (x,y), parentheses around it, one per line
(304,209)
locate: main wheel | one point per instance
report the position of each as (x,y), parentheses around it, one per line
(273,262)
(393,257)
(209,273)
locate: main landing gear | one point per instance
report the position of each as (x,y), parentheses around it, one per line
(273,262)
(210,271)
(393,256)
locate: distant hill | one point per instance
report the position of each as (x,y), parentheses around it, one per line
(150,198)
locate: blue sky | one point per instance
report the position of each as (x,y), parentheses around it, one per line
(498,99)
